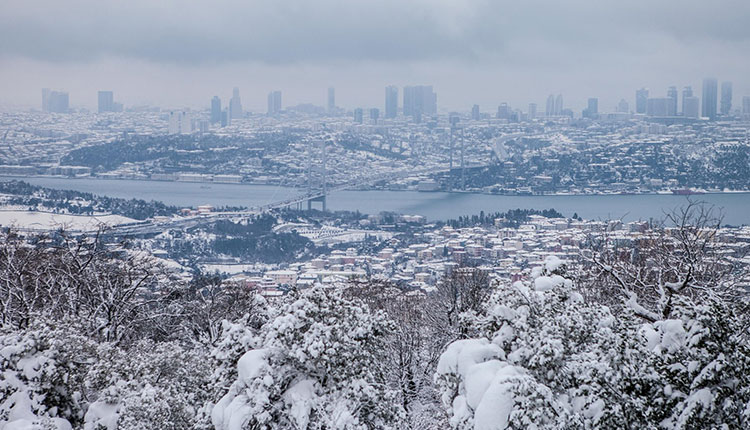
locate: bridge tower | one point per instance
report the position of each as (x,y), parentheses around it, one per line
(456,132)
(317,187)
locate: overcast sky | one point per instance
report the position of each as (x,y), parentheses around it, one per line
(179,53)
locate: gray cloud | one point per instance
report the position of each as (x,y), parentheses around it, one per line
(278,32)
(181,52)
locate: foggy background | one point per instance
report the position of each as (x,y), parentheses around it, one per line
(180,53)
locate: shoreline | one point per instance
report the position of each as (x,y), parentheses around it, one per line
(266,184)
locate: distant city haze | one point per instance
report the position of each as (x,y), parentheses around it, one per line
(177,54)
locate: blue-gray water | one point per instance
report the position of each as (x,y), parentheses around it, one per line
(435,206)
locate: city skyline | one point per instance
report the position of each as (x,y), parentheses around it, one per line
(674,102)
(472,53)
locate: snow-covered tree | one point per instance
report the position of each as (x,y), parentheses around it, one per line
(316,366)
(412,347)
(152,385)
(42,372)
(547,360)
(236,339)
(703,355)
(113,294)
(677,257)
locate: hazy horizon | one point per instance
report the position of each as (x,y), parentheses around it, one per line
(174,54)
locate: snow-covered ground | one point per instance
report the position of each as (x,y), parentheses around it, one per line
(50,221)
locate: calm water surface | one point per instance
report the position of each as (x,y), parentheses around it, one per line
(435,206)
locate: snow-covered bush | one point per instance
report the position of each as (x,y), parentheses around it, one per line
(316,365)
(42,369)
(236,339)
(149,386)
(704,358)
(547,360)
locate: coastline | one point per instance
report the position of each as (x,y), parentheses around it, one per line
(369,189)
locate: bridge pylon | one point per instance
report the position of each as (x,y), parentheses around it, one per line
(317,187)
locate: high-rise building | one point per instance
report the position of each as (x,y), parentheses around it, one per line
(641,100)
(358,115)
(180,122)
(106,101)
(331,107)
(592,108)
(687,92)
(623,107)
(672,105)
(419,100)
(691,107)
(58,102)
(475,112)
(235,104)
(215,110)
(453,119)
(391,101)
(410,101)
(374,115)
(559,105)
(45,99)
(274,102)
(726,98)
(657,106)
(503,111)
(550,111)
(746,106)
(710,89)
(532,110)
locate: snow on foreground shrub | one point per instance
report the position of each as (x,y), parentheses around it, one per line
(152,385)
(316,366)
(52,378)
(41,378)
(546,360)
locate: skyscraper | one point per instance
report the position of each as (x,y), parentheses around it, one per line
(391,101)
(592,109)
(235,105)
(54,101)
(106,101)
(623,106)
(475,112)
(215,110)
(503,111)
(45,99)
(708,107)
(641,100)
(358,115)
(672,105)
(691,107)
(550,111)
(374,115)
(331,107)
(726,97)
(419,100)
(746,106)
(274,102)
(532,110)
(559,105)
(687,92)
(58,102)
(657,106)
